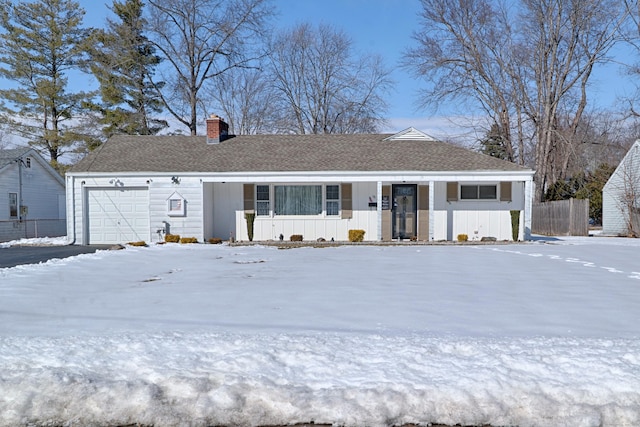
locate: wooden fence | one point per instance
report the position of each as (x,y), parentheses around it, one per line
(561,218)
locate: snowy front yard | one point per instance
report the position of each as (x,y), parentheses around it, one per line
(537,334)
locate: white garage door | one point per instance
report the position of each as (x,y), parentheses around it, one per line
(118,215)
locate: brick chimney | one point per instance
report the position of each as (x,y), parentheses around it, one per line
(217,129)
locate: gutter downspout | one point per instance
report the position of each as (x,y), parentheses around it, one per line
(73,210)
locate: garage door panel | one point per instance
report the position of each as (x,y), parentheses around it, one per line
(118,215)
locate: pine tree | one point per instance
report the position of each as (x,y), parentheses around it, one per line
(41,43)
(123,60)
(494,143)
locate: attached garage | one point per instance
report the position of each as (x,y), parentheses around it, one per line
(117,215)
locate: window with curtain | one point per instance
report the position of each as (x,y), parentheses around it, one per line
(297,199)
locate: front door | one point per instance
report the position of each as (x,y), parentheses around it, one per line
(404,211)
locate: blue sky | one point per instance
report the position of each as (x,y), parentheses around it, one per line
(376,26)
(385,27)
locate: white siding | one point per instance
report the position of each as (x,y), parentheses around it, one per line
(476,218)
(160,190)
(313,228)
(189,225)
(41,190)
(227,200)
(625,179)
(8,184)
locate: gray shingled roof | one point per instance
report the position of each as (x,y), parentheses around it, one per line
(268,153)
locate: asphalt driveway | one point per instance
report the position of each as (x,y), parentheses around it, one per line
(20,255)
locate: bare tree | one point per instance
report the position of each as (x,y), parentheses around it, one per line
(246,98)
(326,89)
(465,52)
(200,40)
(530,63)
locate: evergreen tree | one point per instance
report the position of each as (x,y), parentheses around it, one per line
(495,144)
(42,42)
(123,60)
(583,186)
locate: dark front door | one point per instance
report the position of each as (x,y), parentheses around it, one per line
(404,211)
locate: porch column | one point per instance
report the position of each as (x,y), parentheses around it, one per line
(529,188)
(379,210)
(432,216)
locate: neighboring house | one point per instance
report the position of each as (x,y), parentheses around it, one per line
(621,197)
(32,196)
(402,186)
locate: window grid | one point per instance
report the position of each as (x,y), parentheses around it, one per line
(263,202)
(332,200)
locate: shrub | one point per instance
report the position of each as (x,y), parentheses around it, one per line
(172,238)
(250,217)
(356,235)
(515,224)
(215,240)
(296,238)
(140,243)
(462,237)
(188,240)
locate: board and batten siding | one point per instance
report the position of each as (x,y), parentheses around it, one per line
(360,216)
(476,218)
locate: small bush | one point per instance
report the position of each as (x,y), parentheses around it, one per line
(215,240)
(462,237)
(356,235)
(296,238)
(515,225)
(188,240)
(172,238)
(140,243)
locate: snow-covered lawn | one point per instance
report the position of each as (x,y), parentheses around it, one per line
(535,334)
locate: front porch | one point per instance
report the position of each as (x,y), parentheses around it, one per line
(417,210)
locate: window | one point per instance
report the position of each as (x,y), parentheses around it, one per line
(13,205)
(176,205)
(263,204)
(333,200)
(478,192)
(298,199)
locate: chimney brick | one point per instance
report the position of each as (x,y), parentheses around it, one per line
(217,129)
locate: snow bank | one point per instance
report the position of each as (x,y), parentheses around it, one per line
(345,379)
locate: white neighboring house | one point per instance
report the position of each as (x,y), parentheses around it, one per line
(621,197)
(402,186)
(32,196)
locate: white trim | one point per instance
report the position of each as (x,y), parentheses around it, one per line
(410,133)
(324,177)
(432,209)
(176,205)
(379,210)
